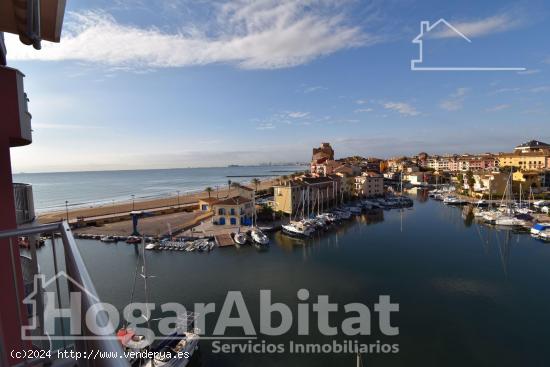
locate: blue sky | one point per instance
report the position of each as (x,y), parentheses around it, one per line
(159,84)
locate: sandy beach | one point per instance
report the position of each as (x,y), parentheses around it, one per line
(126,206)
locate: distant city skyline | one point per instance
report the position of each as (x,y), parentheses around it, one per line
(152,84)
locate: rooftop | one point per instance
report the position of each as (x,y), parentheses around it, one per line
(237,200)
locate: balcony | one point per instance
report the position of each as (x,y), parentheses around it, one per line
(24,203)
(65,259)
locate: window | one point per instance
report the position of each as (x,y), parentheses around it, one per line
(221,211)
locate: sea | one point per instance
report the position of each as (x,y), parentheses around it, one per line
(95,188)
(468,294)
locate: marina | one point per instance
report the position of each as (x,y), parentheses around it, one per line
(463,265)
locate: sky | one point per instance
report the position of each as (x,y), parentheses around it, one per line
(162,84)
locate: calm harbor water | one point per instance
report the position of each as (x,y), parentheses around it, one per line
(99,187)
(469,295)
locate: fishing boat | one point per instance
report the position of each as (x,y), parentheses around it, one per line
(259,237)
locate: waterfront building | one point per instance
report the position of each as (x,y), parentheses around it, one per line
(417,178)
(233,211)
(533,146)
(463,163)
(490,184)
(528,161)
(369,184)
(307,193)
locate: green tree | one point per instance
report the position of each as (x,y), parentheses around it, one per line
(470,180)
(256,182)
(209,190)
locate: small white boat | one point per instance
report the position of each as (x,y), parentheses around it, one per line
(453,200)
(240,238)
(151,246)
(172,353)
(544,235)
(297,229)
(539,227)
(510,221)
(259,237)
(108,239)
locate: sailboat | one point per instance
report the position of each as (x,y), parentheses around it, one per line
(256,233)
(508,218)
(174,350)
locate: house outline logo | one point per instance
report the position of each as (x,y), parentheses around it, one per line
(425,27)
(30,300)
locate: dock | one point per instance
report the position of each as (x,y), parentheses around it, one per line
(224,240)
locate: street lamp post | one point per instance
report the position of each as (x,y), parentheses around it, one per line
(67,209)
(133,203)
(178,198)
(113,206)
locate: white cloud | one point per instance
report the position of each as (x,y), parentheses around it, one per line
(482,27)
(505,90)
(455,100)
(265,126)
(361,101)
(359,110)
(403,108)
(497,108)
(542,88)
(298,114)
(254,35)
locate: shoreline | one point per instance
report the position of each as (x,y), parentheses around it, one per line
(143,204)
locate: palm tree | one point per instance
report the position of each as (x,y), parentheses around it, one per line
(256,182)
(228,188)
(209,191)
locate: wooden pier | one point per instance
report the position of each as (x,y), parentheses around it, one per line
(224,240)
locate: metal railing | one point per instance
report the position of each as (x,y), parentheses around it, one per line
(69,261)
(24,203)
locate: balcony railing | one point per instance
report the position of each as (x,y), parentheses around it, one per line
(65,258)
(24,203)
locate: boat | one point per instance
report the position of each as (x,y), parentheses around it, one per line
(175,350)
(240,238)
(259,237)
(342,213)
(108,239)
(480,203)
(151,246)
(133,239)
(544,235)
(539,227)
(511,221)
(298,229)
(453,200)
